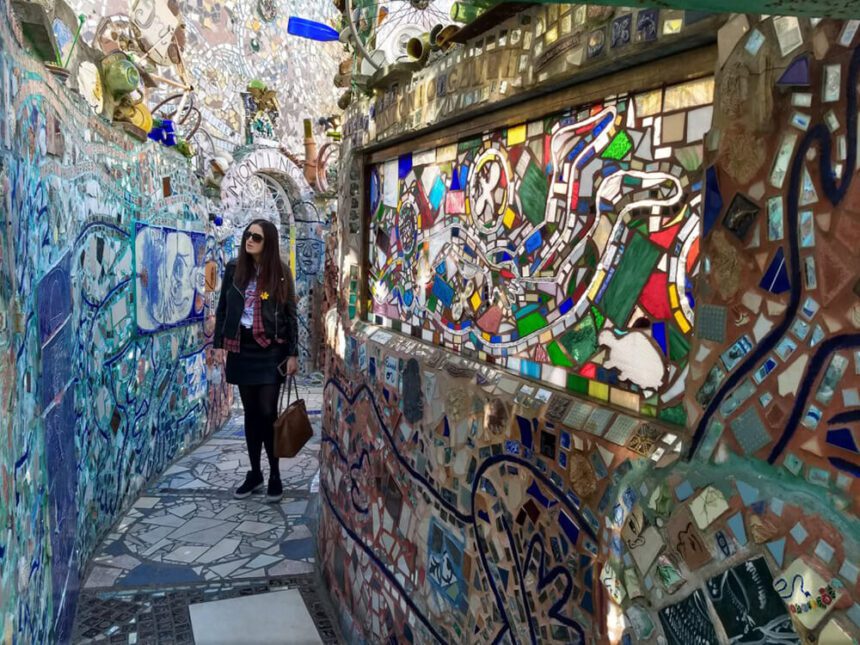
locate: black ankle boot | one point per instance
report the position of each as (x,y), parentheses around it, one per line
(253,483)
(275,491)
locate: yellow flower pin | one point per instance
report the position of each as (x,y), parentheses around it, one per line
(264,295)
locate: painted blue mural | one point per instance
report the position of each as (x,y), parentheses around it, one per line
(169,277)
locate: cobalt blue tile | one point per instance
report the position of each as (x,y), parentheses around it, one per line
(845,465)
(842,438)
(587,602)
(535,491)
(150,573)
(658,332)
(570,529)
(775,279)
(797,72)
(525,431)
(713,200)
(298,549)
(404,165)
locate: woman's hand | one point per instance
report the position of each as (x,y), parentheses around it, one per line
(292,366)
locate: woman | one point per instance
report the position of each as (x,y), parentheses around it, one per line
(256,323)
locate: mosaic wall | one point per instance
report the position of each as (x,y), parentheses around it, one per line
(229,44)
(92,407)
(467,504)
(558,248)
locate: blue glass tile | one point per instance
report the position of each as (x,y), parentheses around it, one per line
(404,165)
(842,438)
(775,279)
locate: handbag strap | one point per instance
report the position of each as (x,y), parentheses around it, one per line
(285,386)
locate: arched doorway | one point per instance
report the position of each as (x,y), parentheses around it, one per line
(265,183)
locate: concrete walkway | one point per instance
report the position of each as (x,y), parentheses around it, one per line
(186,542)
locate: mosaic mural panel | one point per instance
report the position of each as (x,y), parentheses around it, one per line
(563,249)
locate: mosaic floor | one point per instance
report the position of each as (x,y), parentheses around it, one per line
(187,541)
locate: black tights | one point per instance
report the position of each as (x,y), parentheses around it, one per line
(261,410)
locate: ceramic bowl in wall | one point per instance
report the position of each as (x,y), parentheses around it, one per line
(90,86)
(121,75)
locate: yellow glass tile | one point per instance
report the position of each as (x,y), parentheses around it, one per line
(673,296)
(510,216)
(485,335)
(551,35)
(690,94)
(682,322)
(672,26)
(516,134)
(598,390)
(475,300)
(446,153)
(598,280)
(649,103)
(624,399)
(546,337)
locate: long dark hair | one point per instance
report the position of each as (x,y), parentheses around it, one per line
(274,276)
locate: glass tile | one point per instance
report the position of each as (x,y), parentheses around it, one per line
(690,94)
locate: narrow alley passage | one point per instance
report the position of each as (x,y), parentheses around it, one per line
(189,563)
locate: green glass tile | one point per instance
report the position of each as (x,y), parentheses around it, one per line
(531,323)
(469,144)
(633,271)
(676,414)
(557,355)
(599,318)
(679,346)
(577,383)
(618,147)
(533,193)
(581,341)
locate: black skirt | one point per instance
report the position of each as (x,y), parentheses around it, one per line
(255,365)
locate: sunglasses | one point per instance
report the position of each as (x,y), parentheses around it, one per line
(254,236)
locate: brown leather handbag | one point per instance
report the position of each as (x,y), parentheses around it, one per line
(292,427)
